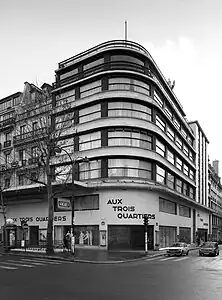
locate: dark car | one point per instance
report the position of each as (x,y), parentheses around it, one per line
(209,248)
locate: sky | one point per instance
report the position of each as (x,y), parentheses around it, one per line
(184,37)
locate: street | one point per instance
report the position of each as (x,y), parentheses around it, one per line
(167,278)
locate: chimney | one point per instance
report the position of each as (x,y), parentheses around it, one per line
(216,166)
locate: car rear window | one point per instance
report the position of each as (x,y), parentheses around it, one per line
(210,245)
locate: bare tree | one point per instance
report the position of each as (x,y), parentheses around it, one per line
(44,128)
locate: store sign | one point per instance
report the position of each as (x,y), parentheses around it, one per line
(39,219)
(127,212)
(63,204)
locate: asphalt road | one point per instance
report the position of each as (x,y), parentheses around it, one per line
(174,278)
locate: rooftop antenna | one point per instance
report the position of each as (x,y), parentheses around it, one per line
(125,30)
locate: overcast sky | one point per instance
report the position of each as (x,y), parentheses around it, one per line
(183,36)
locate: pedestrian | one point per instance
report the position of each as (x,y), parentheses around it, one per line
(66,241)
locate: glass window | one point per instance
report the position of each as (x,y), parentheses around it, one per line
(90,89)
(68,74)
(127,58)
(168,112)
(93,64)
(185,150)
(170,156)
(170,133)
(160,175)
(158,99)
(126,137)
(178,142)
(184,133)
(87,202)
(21,179)
(170,180)
(64,98)
(179,185)
(176,123)
(179,163)
(191,174)
(184,211)
(90,113)
(129,168)
(160,148)
(167,206)
(190,141)
(91,140)
(185,189)
(161,124)
(127,109)
(191,156)
(90,170)
(186,169)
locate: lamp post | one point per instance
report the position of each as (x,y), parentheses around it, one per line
(73,162)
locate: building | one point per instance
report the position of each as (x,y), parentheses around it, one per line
(215,200)
(126,119)
(201,147)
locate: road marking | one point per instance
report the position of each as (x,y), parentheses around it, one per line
(12,262)
(8,268)
(54,261)
(179,259)
(168,258)
(33,262)
(152,258)
(41,261)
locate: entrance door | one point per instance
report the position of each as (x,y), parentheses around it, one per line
(33,235)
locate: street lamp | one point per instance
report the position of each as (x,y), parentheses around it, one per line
(73,162)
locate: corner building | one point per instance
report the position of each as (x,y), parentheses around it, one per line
(131,126)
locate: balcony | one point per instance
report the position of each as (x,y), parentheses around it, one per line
(30,136)
(7,144)
(7,123)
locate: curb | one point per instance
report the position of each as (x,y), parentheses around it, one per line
(145,257)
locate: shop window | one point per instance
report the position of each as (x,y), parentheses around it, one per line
(87,235)
(167,206)
(184,211)
(168,236)
(185,234)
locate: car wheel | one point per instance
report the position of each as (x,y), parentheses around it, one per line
(187,252)
(200,254)
(182,253)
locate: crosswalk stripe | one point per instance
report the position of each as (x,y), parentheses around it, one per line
(179,259)
(167,258)
(152,258)
(8,268)
(12,262)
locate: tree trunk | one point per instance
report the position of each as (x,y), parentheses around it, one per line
(49,244)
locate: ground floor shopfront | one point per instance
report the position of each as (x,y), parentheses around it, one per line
(113,219)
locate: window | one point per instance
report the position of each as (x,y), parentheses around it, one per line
(93,63)
(184,133)
(121,167)
(90,170)
(170,133)
(87,202)
(179,185)
(191,174)
(34,126)
(127,137)
(65,97)
(21,179)
(185,189)
(68,74)
(185,150)
(161,124)
(21,155)
(8,136)
(191,156)
(127,58)
(179,163)
(131,110)
(168,112)
(170,180)
(7,158)
(158,99)
(178,142)
(190,141)
(184,211)
(160,175)
(160,148)
(176,123)
(22,130)
(186,169)
(90,89)
(167,206)
(66,144)
(7,182)
(90,113)
(34,152)
(90,141)
(170,156)
(130,84)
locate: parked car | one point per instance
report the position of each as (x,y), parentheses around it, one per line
(209,248)
(178,248)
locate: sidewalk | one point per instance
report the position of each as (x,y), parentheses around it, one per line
(92,255)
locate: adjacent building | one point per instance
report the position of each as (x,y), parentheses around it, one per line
(143,157)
